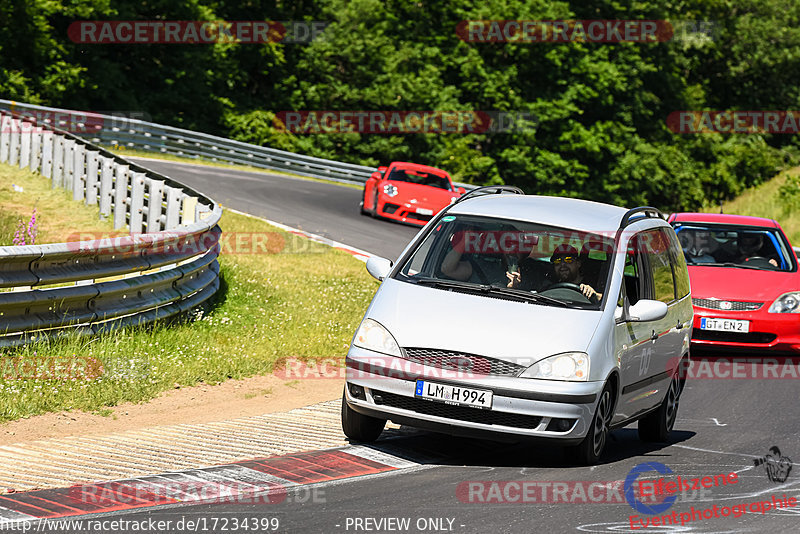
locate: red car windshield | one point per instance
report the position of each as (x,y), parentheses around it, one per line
(419,177)
(734,246)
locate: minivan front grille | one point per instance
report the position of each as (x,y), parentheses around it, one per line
(460,413)
(730,305)
(460,361)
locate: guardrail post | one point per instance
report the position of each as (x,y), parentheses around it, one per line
(79,170)
(58,161)
(137,201)
(173,207)
(155,190)
(36,149)
(25,145)
(106,181)
(47,154)
(189,207)
(13,145)
(5,137)
(91,177)
(69,163)
(120,195)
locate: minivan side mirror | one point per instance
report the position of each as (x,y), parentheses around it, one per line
(647,310)
(378,267)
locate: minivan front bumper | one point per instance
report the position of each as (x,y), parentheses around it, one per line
(521,407)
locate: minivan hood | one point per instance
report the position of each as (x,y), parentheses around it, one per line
(731,283)
(426,317)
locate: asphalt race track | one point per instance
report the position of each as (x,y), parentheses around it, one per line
(459,485)
(723,426)
(327,209)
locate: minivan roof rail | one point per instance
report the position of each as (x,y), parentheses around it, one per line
(490,190)
(646,211)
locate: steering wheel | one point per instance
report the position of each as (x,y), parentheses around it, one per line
(566,285)
(573,287)
(761,261)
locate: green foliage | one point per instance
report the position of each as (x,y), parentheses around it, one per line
(600,109)
(789,193)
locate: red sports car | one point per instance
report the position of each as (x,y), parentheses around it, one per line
(745,282)
(408,192)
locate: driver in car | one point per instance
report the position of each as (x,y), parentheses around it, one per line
(750,245)
(567,266)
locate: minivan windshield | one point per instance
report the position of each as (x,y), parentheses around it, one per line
(514,260)
(737,246)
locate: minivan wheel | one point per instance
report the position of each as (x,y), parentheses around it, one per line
(589,451)
(360,427)
(657,425)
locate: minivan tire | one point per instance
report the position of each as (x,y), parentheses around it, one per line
(656,426)
(590,450)
(360,427)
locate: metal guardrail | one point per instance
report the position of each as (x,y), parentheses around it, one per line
(167,265)
(151,137)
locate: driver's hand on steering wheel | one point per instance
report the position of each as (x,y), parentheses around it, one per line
(589,292)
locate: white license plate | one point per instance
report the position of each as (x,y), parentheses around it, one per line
(724,325)
(423,211)
(457,395)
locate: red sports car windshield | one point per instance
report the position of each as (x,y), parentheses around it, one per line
(419,177)
(740,246)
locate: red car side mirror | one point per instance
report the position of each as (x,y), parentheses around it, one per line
(376,175)
(382,169)
(461,190)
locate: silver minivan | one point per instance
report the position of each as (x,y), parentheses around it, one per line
(512,317)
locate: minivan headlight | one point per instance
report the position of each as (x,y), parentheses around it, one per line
(373,336)
(572,366)
(786,303)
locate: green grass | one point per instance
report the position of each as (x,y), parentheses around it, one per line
(59,218)
(765,201)
(301,300)
(122,151)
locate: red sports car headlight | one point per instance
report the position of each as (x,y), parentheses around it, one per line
(786,303)
(390,190)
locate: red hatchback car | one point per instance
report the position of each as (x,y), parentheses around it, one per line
(408,192)
(745,282)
